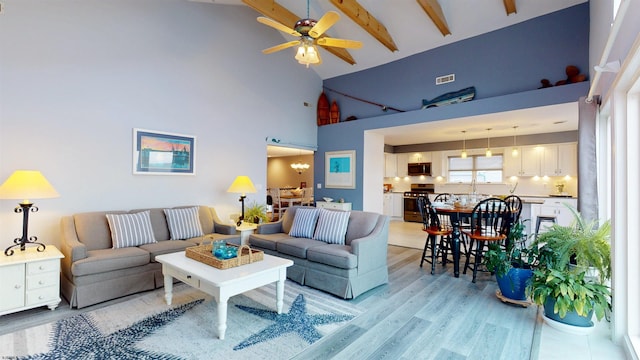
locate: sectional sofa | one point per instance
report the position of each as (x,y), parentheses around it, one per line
(345,262)
(109,254)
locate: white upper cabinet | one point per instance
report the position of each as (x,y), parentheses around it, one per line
(437,168)
(527,163)
(390,165)
(403,160)
(560,160)
(418,157)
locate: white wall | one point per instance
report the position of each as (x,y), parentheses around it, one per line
(77,76)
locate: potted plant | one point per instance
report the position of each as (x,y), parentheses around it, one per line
(513,264)
(561,282)
(256,213)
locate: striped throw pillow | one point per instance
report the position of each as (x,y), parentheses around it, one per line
(332,226)
(129,230)
(304,223)
(183,223)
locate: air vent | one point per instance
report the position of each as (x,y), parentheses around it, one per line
(445,79)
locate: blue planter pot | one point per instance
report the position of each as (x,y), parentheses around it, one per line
(513,284)
(572,318)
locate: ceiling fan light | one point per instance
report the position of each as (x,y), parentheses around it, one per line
(307,54)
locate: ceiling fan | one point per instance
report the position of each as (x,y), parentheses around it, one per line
(310,32)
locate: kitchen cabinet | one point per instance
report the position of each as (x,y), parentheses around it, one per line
(393,205)
(437,167)
(402,161)
(560,160)
(527,163)
(419,157)
(30,279)
(398,205)
(390,165)
(387,204)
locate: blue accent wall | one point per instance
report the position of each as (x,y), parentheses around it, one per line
(505,66)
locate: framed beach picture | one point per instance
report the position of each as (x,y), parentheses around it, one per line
(161,153)
(340,169)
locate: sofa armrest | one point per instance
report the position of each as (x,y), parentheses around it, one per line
(220,227)
(371,250)
(71,246)
(270,228)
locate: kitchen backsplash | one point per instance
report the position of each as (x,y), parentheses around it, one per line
(526,186)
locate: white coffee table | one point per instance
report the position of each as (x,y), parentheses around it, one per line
(223,284)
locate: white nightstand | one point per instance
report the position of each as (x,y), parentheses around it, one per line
(245,230)
(334,205)
(30,279)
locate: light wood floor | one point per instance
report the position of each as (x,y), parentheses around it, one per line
(415,316)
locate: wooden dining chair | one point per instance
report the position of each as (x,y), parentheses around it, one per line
(515,204)
(444,197)
(279,206)
(435,226)
(491,221)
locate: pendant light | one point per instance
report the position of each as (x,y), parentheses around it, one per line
(463,154)
(514,151)
(488,153)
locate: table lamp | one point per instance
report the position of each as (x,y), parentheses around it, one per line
(242,185)
(26,184)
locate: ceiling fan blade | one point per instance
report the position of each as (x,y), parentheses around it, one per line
(326,21)
(281,47)
(341,43)
(276,25)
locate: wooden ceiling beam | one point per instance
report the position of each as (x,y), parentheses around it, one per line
(368,22)
(279,13)
(433,9)
(510,6)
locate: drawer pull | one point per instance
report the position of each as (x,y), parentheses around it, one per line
(40,282)
(18,286)
(40,297)
(41,267)
(188,276)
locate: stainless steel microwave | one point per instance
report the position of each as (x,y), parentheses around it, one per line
(417,169)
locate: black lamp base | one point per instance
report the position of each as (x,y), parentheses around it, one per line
(24,240)
(242,197)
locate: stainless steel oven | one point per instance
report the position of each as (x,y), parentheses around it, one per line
(411,211)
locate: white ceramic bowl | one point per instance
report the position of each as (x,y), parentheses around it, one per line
(327,199)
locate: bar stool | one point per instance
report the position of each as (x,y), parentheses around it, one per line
(544,218)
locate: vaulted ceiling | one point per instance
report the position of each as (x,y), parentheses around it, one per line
(394,29)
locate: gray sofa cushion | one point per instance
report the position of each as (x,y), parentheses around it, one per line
(361,224)
(335,255)
(99,261)
(297,246)
(93,229)
(165,247)
(267,241)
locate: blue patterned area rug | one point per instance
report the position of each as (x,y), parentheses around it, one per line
(146,328)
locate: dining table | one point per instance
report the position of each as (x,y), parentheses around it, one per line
(292,200)
(456,214)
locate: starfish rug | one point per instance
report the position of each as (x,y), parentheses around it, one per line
(146,328)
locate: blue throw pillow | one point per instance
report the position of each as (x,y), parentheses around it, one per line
(332,226)
(304,223)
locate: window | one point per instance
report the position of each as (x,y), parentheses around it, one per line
(481,168)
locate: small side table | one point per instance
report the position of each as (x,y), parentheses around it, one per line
(245,230)
(30,279)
